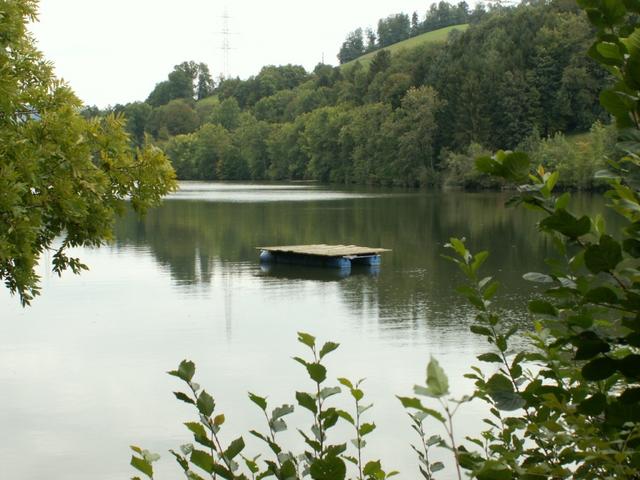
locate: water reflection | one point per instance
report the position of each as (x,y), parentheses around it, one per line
(189,237)
(299,272)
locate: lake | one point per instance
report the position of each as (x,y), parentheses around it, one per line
(83,370)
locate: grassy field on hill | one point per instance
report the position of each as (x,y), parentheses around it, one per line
(429,37)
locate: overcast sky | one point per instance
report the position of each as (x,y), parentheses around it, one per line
(115,51)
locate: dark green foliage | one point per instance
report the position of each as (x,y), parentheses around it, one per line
(393,29)
(188,80)
(175,118)
(353,46)
(269,81)
(536,51)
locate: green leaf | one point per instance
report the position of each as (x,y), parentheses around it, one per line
(372,468)
(615,105)
(308,340)
(184,464)
(184,397)
(632,247)
(490,291)
(235,447)
(537,277)
(501,390)
(281,411)
(613,11)
(611,52)
(599,369)
(542,307)
(589,345)
(480,330)
(328,348)
(552,180)
(196,428)
(142,465)
(458,247)
(223,471)
(486,165)
(307,401)
(499,383)
(346,382)
(329,468)
(437,381)
(603,257)
(593,405)
(367,428)
(205,404)
(329,417)
(629,366)
(630,396)
(317,372)
(288,470)
(329,391)
(478,260)
(278,425)
(260,401)
(346,416)
(410,402)
(601,295)
(490,357)
(203,460)
(493,470)
(512,166)
(186,371)
(563,222)
(563,201)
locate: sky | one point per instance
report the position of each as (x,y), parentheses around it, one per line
(115,51)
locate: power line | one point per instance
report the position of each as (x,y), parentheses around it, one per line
(226,42)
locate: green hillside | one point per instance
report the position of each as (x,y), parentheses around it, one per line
(429,37)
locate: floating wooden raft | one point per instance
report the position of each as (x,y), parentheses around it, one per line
(337,256)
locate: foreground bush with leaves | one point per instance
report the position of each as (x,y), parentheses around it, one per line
(563,404)
(321,459)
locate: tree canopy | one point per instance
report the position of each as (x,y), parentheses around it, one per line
(63,178)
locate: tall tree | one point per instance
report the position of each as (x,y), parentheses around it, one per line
(415,24)
(372,40)
(393,29)
(205,84)
(61,175)
(352,47)
(188,80)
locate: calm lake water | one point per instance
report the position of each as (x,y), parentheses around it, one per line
(82,370)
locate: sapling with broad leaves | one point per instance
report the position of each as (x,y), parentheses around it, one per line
(321,460)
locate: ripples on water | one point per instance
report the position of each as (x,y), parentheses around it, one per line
(82,370)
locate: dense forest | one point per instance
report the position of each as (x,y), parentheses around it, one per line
(516,78)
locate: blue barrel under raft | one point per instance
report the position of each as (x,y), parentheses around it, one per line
(342,262)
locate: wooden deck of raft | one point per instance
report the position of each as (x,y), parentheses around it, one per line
(322,255)
(327,250)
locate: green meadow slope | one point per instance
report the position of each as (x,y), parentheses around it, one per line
(435,36)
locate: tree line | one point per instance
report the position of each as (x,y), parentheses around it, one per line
(401,26)
(516,77)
